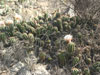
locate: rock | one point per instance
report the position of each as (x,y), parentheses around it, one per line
(59,71)
(15,68)
(40,70)
(4,70)
(32,8)
(24,71)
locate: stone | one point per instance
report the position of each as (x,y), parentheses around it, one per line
(23,71)
(40,69)
(15,68)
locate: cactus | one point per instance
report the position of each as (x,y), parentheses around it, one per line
(2,29)
(25,36)
(77,19)
(41,22)
(72,24)
(31,24)
(71,48)
(49,30)
(75,71)
(65,19)
(40,31)
(58,15)
(96,67)
(88,61)
(37,41)
(42,43)
(2,37)
(48,44)
(21,28)
(12,40)
(19,35)
(9,30)
(86,71)
(49,58)
(55,29)
(58,23)
(42,56)
(31,37)
(30,29)
(65,26)
(45,17)
(75,60)
(48,41)
(61,58)
(79,35)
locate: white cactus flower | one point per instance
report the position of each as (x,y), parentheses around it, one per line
(18,18)
(2,24)
(68,38)
(8,22)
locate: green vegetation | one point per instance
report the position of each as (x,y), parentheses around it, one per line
(47,33)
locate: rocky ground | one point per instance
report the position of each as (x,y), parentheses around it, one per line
(31,8)
(23,56)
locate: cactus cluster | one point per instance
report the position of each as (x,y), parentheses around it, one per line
(46,33)
(96,67)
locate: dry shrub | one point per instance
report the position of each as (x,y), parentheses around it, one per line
(87,9)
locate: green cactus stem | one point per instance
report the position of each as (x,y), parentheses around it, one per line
(19,35)
(58,23)
(20,28)
(61,58)
(30,29)
(65,26)
(2,37)
(75,60)
(88,61)
(31,37)
(71,48)
(58,15)
(25,36)
(9,30)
